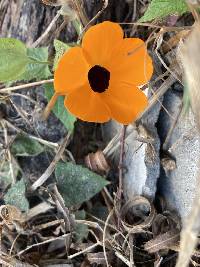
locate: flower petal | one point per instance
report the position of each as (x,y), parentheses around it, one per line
(71,72)
(99,42)
(87,105)
(125,102)
(131,63)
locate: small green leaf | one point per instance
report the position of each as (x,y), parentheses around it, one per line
(13,59)
(81,230)
(24,147)
(38,68)
(77,184)
(186,99)
(78,26)
(16,196)
(59,109)
(158,9)
(60,48)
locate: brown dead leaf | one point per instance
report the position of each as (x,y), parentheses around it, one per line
(162,241)
(97,162)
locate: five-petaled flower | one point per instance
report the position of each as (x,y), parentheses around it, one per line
(100,79)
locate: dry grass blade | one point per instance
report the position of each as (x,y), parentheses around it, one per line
(162,241)
(24,86)
(48,29)
(63,237)
(105,4)
(37,210)
(11,262)
(190,58)
(52,166)
(99,258)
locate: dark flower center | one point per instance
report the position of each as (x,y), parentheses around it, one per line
(98,78)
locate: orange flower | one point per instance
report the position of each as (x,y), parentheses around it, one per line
(100,79)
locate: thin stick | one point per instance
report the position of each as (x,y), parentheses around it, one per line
(166,28)
(48,29)
(24,86)
(160,92)
(80,11)
(83,251)
(40,140)
(122,258)
(42,243)
(104,237)
(8,153)
(1,231)
(56,196)
(50,106)
(171,129)
(121,162)
(52,166)
(132,264)
(105,4)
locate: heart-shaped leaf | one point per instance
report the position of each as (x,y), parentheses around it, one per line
(77,184)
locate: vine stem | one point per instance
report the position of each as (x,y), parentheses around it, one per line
(121,162)
(119,193)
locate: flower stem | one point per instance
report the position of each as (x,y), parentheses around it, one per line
(50,106)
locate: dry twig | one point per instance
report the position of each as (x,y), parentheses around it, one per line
(24,86)
(52,166)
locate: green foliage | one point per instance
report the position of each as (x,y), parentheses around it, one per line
(16,196)
(59,109)
(81,230)
(38,69)
(99,211)
(158,9)
(13,59)
(60,48)
(20,63)
(24,146)
(6,176)
(77,184)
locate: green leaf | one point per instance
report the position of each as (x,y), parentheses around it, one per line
(99,211)
(6,174)
(59,109)
(60,48)
(77,184)
(81,230)
(38,69)
(158,9)
(24,146)
(16,196)
(13,59)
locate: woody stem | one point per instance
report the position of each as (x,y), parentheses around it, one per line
(121,161)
